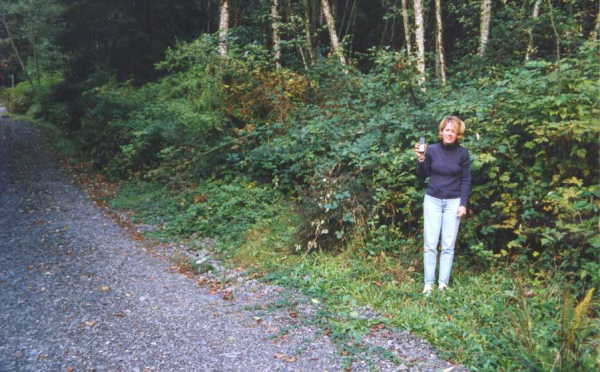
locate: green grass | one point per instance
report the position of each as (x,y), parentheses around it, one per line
(152,203)
(473,323)
(500,319)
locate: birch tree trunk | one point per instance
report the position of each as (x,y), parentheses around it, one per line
(534,16)
(486,18)
(596,31)
(308,31)
(335,44)
(555,29)
(407,33)
(276,22)
(420,39)
(440,66)
(223,27)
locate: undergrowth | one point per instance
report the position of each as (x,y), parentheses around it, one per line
(498,319)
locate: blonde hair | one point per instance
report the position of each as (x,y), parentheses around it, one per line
(460,126)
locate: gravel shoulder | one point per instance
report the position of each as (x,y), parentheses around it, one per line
(78,293)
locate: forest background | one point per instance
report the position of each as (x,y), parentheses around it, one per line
(283,129)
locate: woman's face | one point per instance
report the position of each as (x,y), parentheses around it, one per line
(449,133)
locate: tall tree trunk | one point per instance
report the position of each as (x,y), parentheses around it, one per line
(440,66)
(407,33)
(384,32)
(556,34)
(15,49)
(420,39)
(335,44)
(350,25)
(308,31)
(486,18)
(394,22)
(534,16)
(223,27)
(596,31)
(276,22)
(349,18)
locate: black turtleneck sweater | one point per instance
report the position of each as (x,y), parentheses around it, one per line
(449,170)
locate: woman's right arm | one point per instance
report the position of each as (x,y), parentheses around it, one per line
(423,162)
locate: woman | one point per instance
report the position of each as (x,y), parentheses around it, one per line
(448,166)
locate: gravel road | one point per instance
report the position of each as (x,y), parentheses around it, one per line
(78,293)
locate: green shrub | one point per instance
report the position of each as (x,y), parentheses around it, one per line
(223,209)
(19,98)
(532,136)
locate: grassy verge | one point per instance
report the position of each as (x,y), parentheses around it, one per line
(496,319)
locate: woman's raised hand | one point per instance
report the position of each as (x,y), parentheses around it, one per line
(420,151)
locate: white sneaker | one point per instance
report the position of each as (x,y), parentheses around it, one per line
(442,286)
(427,289)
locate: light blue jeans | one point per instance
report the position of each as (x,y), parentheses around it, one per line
(440,219)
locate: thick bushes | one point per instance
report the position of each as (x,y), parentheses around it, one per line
(533,140)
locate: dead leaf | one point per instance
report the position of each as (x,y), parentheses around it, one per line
(379,284)
(120,314)
(377,327)
(104,288)
(285,358)
(90,323)
(199,198)
(70,369)
(228,294)
(254,275)
(293,314)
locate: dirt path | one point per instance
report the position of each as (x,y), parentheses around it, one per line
(78,294)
